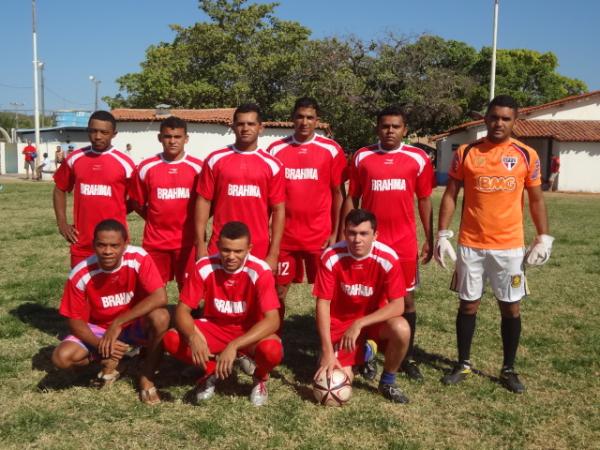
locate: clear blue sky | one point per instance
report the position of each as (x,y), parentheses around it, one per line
(108,38)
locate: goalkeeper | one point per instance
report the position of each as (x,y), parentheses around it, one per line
(494,172)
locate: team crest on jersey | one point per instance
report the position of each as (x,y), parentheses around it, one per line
(388,162)
(515,281)
(172,171)
(509,162)
(479,161)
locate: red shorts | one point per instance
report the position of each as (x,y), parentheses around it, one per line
(411,274)
(173,264)
(291,264)
(356,357)
(218,336)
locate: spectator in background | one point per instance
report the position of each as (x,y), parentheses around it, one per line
(59,156)
(554,170)
(30,153)
(45,166)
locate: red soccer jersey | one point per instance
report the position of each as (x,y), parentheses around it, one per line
(29,151)
(237,298)
(98,297)
(242,186)
(358,286)
(311,170)
(387,181)
(167,189)
(100,181)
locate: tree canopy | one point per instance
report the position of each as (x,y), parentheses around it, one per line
(245,53)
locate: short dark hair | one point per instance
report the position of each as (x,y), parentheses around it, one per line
(504,101)
(358,216)
(173,122)
(247,108)
(393,110)
(45,155)
(104,116)
(306,102)
(111,225)
(235,230)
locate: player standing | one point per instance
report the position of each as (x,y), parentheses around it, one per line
(163,193)
(243,183)
(495,171)
(313,168)
(387,176)
(240,315)
(112,299)
(360,290)
(99,177)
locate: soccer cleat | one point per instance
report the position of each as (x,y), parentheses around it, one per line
(259,394)
(369,369)
(510,380)
(410,368)
(460,372)
(392,393)
(247,365)
(206,389)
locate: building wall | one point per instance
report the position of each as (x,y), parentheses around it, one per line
(579,166)
(447,144)
(48,141)
(541,146)
(586,109)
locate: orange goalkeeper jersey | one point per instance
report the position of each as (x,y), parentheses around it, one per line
(494,177)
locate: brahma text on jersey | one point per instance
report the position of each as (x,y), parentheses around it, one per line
(243,190)
(492,184)
(172,193)
(95,189)
(307,173)
(357,289)
(229,306)
(390,184)
(120,299)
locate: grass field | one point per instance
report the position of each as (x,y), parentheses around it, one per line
(559,361)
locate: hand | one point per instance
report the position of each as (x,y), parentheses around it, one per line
(348,341)
(539,251)
(225,361)
(327,363)
(272,262)
(443,248)
(200,351)
(69,232)
(426,252)
(106,346)
(201,250)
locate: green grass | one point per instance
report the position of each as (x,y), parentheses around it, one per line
(559,361)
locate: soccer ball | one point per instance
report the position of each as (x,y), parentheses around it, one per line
(333,391)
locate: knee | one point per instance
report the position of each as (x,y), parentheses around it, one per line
(61,358)
(510,310)
(171,341)
(269,352)
(409,303)
(468,308)
(159,319)
(399,329)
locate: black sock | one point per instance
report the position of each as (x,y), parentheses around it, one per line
(511,332)
(411,318)
(465,329)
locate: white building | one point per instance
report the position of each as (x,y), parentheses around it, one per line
(568,128)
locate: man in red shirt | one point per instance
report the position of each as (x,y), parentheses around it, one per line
(313,168)
(360,290)
(30,153)
(386,177)
(163,193)
(243,183)
(98,176)
(240,315)
(113,299)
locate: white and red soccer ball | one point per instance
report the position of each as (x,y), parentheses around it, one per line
(333,391)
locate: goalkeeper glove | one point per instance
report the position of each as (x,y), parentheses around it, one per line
(539,251)
(443,247)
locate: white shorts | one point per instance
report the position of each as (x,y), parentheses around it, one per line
(503,268)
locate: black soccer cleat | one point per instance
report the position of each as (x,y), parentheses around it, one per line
(410,368)
(369,369)
(460,373)
(392,393)
(510,380)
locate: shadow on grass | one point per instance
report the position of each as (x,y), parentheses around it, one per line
(43,318)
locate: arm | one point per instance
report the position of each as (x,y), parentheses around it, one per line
(426,215)
(81,329)
(59,200)
(260,330)
(184,322)
(328,360)
(201,215)
(537,209)
(277,224)
(337,201)
(448,204)
(156,299)
(394,308)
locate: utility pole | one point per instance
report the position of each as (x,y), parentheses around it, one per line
(36,95)
(494,44)
(96,82)
(17,105)
(43,97)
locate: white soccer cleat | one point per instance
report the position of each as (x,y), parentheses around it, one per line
(207,390)
(247,365)
(539,251)
(259,395)
(444,248)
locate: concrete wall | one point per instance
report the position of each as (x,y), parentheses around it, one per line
(586,109)
(48,142)
(579,166)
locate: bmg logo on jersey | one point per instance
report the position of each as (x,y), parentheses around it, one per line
(492,184)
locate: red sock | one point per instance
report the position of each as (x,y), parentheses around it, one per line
(268,355)
(177,347)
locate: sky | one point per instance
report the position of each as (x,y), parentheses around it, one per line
(108,38)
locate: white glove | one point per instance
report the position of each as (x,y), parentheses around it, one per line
(443,247)
(539,251)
